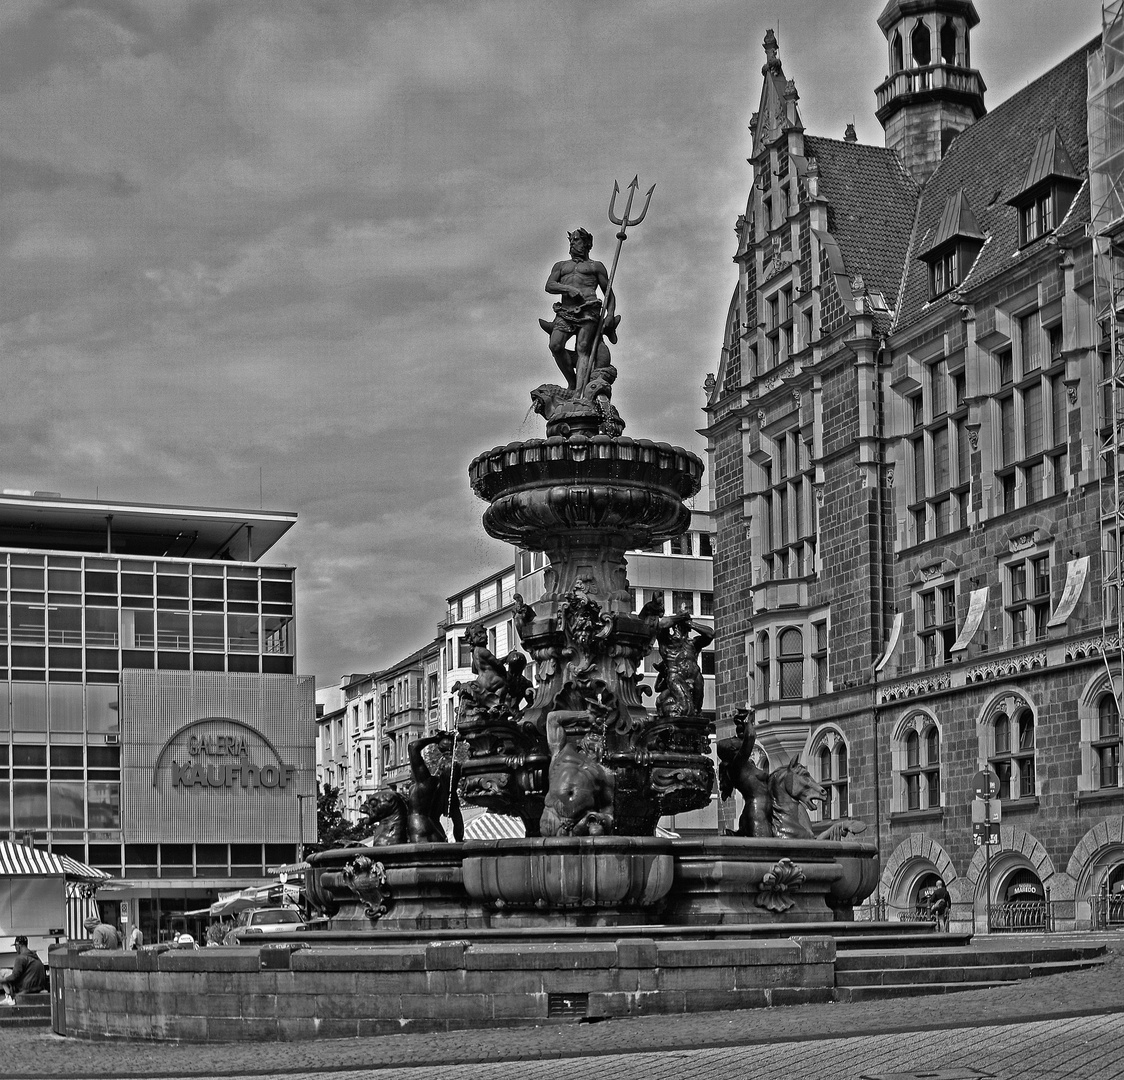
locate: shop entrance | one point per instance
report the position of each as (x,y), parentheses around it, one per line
(1023,905)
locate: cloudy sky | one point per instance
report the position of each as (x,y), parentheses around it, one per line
(310,237)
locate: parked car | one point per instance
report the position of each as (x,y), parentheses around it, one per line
(269,920)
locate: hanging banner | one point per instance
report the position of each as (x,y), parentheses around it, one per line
(895,635)
(1075,573)
(977,604)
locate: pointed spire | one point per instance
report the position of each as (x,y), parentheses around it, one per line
(850,135)
(772,49)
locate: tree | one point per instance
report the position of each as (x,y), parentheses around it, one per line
(332,828)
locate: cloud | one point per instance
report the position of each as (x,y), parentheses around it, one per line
(307,242)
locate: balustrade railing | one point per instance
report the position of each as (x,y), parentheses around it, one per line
(1021,916)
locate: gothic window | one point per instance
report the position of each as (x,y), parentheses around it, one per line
(1106,744)
(819,656)
(1028,599)
(1032,416)
(1012,752)
(948,42)
(936,624)
(764,667)
(829,758)
(918,759)
(920,45)
(788,521)
(790,649)
(897,56)
(938,450)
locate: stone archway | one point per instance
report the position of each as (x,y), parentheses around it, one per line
(1093,859)
(915,857)
(1018,850)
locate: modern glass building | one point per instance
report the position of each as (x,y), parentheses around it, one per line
(151,721)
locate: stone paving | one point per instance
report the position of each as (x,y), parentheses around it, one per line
(1063,1026)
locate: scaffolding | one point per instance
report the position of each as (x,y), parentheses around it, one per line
(1106,192)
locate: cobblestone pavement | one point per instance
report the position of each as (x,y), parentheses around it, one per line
(1062,1026)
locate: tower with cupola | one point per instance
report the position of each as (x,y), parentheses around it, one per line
(932,92)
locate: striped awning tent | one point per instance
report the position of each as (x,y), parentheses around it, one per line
(80,905)
(18,860)
(489,826)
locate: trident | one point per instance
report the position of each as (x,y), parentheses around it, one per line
(625,223)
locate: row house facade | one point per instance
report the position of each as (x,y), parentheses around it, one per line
(913,502)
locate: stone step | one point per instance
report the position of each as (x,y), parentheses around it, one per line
(858,960)
(990,973)
(35,1014)
(872,993)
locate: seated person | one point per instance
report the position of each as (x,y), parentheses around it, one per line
(28,976)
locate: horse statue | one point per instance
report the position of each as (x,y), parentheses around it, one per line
(388,813)
(777,803)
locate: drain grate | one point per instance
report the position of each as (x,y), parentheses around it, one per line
(567,1005)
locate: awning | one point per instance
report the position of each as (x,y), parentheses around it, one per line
(287,868)
(489,826)
(271,895)
(18,860)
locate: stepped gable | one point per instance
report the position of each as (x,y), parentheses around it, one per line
(990,161)
(871,200)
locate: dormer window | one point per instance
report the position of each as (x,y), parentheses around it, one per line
(954,246)
(1047,189)
(943,273)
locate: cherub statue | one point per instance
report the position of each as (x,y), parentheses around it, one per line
(491,675)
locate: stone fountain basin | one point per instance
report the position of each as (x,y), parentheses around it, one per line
(605,880)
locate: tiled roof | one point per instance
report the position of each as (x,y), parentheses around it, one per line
(871,199)
(990,160)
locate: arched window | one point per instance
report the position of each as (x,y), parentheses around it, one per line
(790,648)
(1106,745)
(921,769)
(897,59)
(919,44)
(763,667)
(1012,756)
(829,763)
(948,42)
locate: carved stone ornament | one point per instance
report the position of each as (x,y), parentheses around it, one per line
(778,884)
(1021,543)
(1005,667)
(974,436)
(1071,393)
(936,570)
(890,477)
(367,880)
(761,416)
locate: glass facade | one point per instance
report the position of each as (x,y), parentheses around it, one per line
(69,625)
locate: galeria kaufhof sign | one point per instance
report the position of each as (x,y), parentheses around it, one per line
(221,752)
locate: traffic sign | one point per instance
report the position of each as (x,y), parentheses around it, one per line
(990,811)
(985,784)
(984,833)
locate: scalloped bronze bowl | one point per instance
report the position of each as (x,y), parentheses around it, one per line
(561,485)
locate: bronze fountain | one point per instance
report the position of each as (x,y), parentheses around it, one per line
(580,757)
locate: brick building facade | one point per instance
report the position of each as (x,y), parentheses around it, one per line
(912,504)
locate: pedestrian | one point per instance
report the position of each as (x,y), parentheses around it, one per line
(28,975)
(102,934)
(136,938)
(940,904)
